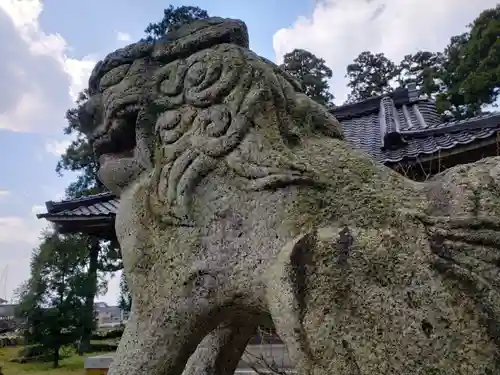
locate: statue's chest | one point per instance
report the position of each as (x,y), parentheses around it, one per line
(133,226)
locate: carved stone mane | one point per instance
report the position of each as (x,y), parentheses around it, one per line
(206,91)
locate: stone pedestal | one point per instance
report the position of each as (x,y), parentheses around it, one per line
(98,365)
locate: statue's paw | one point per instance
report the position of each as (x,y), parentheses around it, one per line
(465,240)
(467,251)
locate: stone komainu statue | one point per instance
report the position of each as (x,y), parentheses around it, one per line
(240,199)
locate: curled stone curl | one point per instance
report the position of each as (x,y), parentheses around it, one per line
(207,104)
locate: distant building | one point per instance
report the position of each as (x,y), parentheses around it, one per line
(2,301)
(8,320)
(7,311)
(109,316)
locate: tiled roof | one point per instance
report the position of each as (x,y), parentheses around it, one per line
(400,126)
(104,204)
(104,208)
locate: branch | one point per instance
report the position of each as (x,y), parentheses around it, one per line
(262,365)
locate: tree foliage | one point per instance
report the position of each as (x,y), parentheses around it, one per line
(79,156)
(312,72)
(173,18)
(53,300)
(422,68)
(125,299)
(102,256)
(370,75)
(471,69)
(462,79)
(374,74)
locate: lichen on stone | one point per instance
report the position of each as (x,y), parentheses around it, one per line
(241,199)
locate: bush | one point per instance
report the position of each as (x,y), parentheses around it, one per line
(102,347)
(33,353)
(10,341)
(5,326)
(112,334)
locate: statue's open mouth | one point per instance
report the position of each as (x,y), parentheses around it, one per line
(119,137)
(122,146)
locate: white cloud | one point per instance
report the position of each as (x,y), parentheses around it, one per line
(38,209)
(24,228)
(16,230)
(79,71)
(57,148)
(22,13)
(43,80)
(123,37)
(20,117)
(19,235)
(53,194)
(25,16)
(113,292)
(339,30)
(39,81)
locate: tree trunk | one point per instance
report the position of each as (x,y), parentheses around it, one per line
(90,296)
(55,362)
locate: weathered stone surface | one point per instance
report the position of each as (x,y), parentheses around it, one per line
(240,198)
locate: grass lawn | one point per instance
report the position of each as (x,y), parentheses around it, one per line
(68,366)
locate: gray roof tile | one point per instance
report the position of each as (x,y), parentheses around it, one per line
(104,204)
(410,128)
(96,209)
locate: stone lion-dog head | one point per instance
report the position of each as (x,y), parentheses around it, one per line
(198,97)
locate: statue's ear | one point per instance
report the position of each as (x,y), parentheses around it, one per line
(315,117)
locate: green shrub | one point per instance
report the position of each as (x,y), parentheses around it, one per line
(112,334)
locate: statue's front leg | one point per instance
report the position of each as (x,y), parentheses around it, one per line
(160,338)
(220,352)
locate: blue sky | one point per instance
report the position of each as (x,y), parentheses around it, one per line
(49,48)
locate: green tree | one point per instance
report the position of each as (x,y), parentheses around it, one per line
(103,256)
(173,18)
(312,72)
(125,299)
(422,68)
(79,156)
(53,299)
(370,75)
(471,69)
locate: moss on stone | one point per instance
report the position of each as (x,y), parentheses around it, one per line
(352,190)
